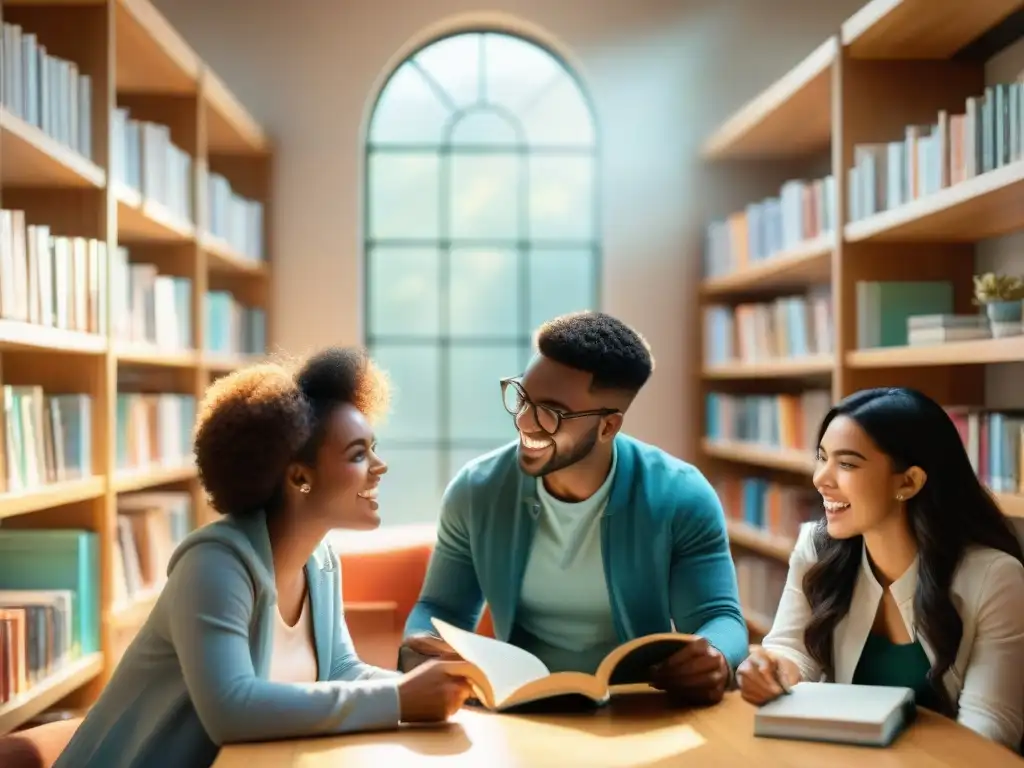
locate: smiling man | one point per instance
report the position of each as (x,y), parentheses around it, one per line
(578,537)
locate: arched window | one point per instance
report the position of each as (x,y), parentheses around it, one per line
(481,223)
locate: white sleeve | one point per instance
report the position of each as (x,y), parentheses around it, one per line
(786,638)
(992,698)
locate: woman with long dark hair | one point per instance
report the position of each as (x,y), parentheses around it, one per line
(914,577)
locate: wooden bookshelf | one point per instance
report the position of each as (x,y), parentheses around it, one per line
(202,229)
(893,64)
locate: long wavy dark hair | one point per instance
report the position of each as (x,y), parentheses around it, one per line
(952,511)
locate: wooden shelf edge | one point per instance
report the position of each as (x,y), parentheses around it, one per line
(23,502)
(763,543)
(126,481)
(786,459)
(974,352)
(44,695)
(224,363)
(721,143)
(164,37)
(812,255)
(814,365)
(887,224)
(85,171)
(226,258)
(230,109)
(879,17)
(139,353)
(15,334)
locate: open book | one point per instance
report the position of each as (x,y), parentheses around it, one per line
(507,676)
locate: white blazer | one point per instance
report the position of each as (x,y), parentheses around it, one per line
(987,678)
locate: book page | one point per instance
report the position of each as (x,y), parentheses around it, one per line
(508,667)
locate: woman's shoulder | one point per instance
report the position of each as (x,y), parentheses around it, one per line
(985,571)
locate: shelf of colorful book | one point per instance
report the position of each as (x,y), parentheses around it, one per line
(805,264)
(126,481)
(31,158)
(975,352)
(986,205)
(816,365)
(51,495)
(48,692)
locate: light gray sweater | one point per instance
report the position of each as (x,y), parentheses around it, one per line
(195,677)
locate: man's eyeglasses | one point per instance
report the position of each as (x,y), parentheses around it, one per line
(548,419)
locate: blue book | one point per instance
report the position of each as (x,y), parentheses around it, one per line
(57,559)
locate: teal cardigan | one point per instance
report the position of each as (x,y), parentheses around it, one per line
(663,538)
(195,677)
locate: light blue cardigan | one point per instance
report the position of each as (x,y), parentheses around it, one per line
(664,543)
(195,677)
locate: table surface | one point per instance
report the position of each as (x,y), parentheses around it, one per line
(636,729)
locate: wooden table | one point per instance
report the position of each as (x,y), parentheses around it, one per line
(635,730)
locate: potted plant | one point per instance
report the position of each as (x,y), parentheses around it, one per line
(1001,295)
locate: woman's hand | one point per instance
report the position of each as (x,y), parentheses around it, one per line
(762,676)
(433,692)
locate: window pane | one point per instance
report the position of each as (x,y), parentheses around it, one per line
(454,64)
(403,296)
(515,71)
(560,281)
(485,196)
(408,112)
(474,400)
(483,128)
(560,116)
(416,390)
(561,198)
(410,491)
(484,298)
(404,192)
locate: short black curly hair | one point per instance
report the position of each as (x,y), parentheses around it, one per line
(615,355)
(254,422)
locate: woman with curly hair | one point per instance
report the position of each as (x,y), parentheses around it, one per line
(248,641)
(914,577)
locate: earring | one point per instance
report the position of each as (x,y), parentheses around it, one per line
(899,497)
(304,488)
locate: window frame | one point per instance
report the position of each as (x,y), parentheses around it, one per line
(444,444)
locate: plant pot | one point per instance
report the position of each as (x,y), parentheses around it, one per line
(1004,311)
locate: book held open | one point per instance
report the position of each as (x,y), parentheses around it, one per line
(507,676)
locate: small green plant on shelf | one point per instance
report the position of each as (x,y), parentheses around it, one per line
(1002,296)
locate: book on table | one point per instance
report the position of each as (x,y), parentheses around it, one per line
(506,676)
(867,715)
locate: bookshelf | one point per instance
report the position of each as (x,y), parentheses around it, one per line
(815,229)
(134,269)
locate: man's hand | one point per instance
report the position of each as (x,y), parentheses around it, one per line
(697,674)
(417,649)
